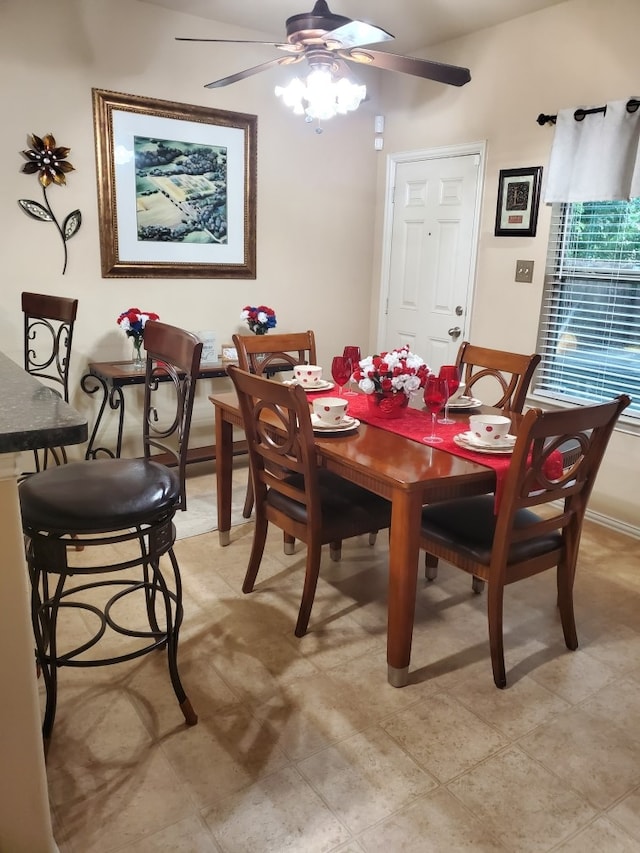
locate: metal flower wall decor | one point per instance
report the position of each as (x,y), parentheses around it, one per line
(49,162)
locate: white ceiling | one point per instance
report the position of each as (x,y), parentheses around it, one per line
(414,23)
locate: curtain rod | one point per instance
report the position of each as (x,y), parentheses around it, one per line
(632,106)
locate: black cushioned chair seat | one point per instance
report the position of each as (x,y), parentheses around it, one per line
(344,506)
(105,495)
(471,523)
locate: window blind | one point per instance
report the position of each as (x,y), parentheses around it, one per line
(589,332)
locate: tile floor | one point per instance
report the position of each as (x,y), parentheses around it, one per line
(302,745)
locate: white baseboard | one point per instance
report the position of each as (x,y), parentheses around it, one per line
(613,523)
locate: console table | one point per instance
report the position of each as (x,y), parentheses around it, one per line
(112,378)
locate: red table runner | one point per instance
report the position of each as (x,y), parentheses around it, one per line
(415,424)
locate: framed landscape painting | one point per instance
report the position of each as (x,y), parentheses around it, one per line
(176,189)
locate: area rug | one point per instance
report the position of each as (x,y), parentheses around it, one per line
(201,515)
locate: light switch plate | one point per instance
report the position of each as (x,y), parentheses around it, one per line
(524,271)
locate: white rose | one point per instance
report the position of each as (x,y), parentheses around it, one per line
(367,385)
(366,363)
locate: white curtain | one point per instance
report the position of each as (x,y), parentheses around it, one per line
(596,159)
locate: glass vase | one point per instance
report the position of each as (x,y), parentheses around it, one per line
(138,359)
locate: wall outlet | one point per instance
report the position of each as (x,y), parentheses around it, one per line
(524,271)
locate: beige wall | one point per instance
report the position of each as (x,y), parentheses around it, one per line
(316,192)
(320,196)
(582,52)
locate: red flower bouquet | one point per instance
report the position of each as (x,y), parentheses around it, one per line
(259,319)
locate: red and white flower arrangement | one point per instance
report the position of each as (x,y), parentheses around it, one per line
(259,319)
(398,371)
(133,321)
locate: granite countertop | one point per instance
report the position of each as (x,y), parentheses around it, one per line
(33,416)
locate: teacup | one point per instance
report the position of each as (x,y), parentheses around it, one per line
(489,428)
(308,375)
(330,411)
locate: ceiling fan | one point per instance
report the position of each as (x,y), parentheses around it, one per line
(325,39)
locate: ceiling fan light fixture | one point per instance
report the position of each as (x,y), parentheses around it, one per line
(361,56)
(322,95)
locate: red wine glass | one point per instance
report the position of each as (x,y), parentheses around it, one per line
(451,376)
(352,353)
(341,371)
(435,396)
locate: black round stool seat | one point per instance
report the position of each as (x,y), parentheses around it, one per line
(127,502)
(96,497)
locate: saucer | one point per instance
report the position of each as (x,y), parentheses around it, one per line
(322,385)
(462,403)
(507,441)
(470,442)
(346,424)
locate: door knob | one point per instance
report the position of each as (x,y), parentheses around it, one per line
(455,332)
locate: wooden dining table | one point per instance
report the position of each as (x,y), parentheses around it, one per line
(406,472)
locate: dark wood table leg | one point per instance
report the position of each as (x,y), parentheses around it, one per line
(404,548)
(224,474)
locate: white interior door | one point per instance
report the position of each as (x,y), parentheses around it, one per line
(431,235)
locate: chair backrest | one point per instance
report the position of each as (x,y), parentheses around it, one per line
(536,477)
(48,335)
(278,456)
(503,377)
(173,365)
(261,353)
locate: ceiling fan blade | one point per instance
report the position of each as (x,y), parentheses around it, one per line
(454,75)
(248,72)
(354,34)
(290,48)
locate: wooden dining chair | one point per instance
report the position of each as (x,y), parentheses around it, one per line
(514,542)
(502,378)
(262,355)
(48,336)
(291,490)
(129,503)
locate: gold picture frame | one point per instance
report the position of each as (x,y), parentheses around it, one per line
(159,219)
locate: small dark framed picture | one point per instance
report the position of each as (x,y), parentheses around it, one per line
(518,201)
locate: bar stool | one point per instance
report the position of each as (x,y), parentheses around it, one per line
(115,502)
(48,335)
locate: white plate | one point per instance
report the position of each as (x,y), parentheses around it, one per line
(323,385)
(462,403)
(472,438)
(347,424)
(462,441)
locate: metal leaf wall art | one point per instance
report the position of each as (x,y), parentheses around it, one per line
(49,162)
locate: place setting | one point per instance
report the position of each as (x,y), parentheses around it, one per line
(464,403)
(487,434)
(309,377)
(329,417)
